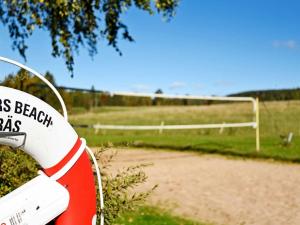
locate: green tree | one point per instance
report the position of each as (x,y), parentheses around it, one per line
(157,101)
(72,24)
(23,81)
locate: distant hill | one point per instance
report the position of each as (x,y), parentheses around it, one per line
(272,95)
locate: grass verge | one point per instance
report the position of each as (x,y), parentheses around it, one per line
(148,215)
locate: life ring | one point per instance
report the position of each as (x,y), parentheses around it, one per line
(55,145)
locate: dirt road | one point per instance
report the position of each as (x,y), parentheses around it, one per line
(221,190)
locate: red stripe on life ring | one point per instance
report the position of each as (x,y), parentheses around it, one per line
(54,169)
(79,181)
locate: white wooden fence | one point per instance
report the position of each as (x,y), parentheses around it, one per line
(254,123)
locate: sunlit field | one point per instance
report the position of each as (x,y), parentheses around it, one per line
(277,119)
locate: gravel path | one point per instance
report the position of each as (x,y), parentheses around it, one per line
(221,190)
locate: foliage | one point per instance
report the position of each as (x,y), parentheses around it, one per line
(273,95)
(74,23)
(118,189)
(23,81)
(87,99)
(148,215)
(16,168)
(91,99)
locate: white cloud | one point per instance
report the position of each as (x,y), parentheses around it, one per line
(177,84)
(223,83)
(291,44)
(140,88)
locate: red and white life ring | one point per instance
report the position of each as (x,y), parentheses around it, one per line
(55,145)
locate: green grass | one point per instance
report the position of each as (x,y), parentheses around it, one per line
(152,216)
(277,119)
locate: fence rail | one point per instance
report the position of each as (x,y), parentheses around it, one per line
(173,127)
(254,123)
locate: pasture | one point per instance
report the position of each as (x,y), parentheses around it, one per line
(277,119)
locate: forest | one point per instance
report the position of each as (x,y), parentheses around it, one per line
(90,98)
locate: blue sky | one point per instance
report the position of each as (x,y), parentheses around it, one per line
(211,47)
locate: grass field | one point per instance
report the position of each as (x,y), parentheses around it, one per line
(277,119)
(152,216)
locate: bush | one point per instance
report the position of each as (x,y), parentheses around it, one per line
(118,189)
(16,168)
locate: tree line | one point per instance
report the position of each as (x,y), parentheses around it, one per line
(90,98)
(273,95)
(83,98)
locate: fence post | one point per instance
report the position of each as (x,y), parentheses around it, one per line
(161,127)
(96,128)
(222,128)
(257,126)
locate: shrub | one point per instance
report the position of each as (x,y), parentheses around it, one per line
(118,189)
(17,168)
